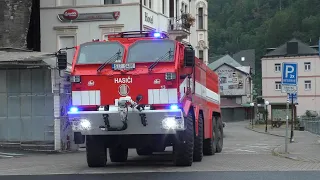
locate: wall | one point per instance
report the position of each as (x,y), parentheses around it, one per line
(307,99)
(232,81)
(14,20)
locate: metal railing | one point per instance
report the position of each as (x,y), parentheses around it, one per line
(311,124)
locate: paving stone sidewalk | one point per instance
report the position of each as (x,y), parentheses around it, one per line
(306,146)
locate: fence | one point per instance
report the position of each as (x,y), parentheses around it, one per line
(311,124)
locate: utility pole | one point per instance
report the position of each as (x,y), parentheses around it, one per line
(287,126)
(292,119)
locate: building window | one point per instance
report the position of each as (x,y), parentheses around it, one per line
(145,2)
(307,66)
(200,18)
(150,4)
(201,55)
(307,85)
(277,67)
(186,8)
(112,1)
(278,86)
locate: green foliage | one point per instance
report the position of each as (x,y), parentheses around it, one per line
(235,25)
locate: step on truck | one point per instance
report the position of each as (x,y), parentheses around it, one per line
(144,91)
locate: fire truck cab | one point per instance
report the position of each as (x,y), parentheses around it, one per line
(142,90)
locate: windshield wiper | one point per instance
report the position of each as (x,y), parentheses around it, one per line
(110,60)
(169,53)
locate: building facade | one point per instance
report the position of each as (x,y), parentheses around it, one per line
(66,23)
(308,95)
(235,88)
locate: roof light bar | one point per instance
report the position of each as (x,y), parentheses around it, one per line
(139,34)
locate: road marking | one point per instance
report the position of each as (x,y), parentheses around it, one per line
(4,156)
(11,154)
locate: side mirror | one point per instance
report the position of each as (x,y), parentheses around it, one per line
(189,57)
(139,98)
(62,60)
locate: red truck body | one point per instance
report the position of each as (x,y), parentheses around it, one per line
(169,88)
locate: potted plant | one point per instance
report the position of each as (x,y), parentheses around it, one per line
(188,20)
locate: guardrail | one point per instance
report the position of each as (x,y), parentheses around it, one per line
(311,124)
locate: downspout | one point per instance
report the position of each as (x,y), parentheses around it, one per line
(141,24)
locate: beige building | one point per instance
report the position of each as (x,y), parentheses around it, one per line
(66,23)
(308,95)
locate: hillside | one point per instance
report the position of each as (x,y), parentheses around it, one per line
(241,24)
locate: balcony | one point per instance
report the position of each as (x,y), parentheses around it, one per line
(179,28)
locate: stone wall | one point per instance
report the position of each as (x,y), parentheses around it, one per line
(14,20)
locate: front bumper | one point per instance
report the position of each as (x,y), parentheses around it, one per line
(157,122)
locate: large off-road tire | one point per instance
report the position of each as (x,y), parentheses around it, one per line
(96,151)
(198,141)
(183,146)
(146,151)
(219,135)
(118,154)
(209,145)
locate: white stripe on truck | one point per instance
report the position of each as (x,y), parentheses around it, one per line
(86,97)
(162,96)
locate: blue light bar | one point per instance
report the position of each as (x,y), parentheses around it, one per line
(174,107)
(156,34)
(73,109)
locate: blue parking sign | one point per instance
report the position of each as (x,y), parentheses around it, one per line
(289,74)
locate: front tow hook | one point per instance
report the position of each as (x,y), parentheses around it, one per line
(109,128)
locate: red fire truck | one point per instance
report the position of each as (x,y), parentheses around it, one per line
(144,91)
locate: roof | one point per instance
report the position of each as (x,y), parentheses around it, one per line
(249,56)
(245,69)
(12,57)
(224,60)
(303,49)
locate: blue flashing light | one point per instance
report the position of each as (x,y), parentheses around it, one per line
(174,107)
(156,34)
(74,109)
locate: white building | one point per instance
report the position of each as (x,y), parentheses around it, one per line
(65,23)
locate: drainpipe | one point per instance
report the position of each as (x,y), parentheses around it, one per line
(141,26)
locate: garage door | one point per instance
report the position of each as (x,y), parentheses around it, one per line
(26,108)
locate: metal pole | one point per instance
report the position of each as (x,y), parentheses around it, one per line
(252,116)
(292,118)
(266,118)
(287,126)
(141,19)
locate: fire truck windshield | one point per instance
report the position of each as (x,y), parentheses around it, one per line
(150,50)
(98,52)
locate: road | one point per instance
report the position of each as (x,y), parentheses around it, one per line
(244,150)
(180,176)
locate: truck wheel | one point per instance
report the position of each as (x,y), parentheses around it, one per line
(96,152)
(118,154)
(219,135)
(209,145)
(198,141)
(183,147)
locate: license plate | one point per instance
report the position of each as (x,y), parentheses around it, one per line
(129,66)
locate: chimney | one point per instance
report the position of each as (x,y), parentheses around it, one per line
(292,48)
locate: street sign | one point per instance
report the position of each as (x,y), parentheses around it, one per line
(289,74)
(294,96)
(288,88)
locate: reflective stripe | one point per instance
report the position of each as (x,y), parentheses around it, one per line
(162,96)
(86,98)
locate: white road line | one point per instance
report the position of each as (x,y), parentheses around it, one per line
(4,156)
(11,154)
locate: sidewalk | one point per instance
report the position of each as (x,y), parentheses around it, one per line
(306,146)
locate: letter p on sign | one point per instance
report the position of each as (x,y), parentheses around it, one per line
(289,70)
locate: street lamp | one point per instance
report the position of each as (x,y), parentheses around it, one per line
(266,103)
(252,113)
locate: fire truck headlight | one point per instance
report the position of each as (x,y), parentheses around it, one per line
(85,124)
(172,123)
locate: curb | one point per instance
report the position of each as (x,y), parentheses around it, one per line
(275,152)
(264,132)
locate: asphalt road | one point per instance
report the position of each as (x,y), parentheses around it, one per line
(270,175)
(245,152)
